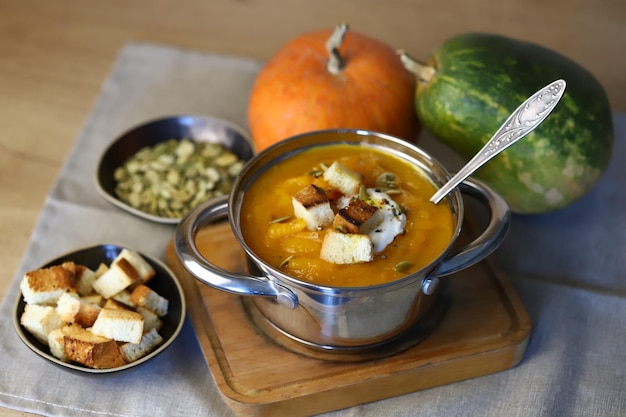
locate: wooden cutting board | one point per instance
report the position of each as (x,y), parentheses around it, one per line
(484,330)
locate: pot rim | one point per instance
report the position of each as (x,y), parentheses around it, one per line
(383,142)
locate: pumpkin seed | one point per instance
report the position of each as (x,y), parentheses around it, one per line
(285,261)
(280,219)
(363,195)
(386,180)
(403,266)
(172,177)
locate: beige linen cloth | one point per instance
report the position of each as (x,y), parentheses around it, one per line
(568,267)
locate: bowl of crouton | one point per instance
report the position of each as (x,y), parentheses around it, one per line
(162,168)
(99,309)
(344,250)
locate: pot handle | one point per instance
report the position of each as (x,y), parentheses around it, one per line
(212,275)
(491,237)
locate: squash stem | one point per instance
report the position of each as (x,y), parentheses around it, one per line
(335,62)
(424,72)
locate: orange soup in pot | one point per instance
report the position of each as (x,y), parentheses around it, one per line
(345,216)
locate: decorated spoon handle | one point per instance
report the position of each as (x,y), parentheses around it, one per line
(521,122)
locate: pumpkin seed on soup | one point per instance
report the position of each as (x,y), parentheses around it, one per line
(172,177)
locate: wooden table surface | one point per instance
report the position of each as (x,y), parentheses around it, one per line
(54,56)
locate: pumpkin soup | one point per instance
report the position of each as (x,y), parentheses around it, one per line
(345,216)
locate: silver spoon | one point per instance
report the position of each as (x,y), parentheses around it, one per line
(521,122)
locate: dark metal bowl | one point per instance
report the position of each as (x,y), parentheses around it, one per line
(197,128)
(164,283)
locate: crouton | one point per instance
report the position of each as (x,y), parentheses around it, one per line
(119,324)
(357,217)
(120,276)
(91,350)
(85,278)
(146,297)
(343,178)
(346,248)
(40,320)
(116,305)
(150,319)
(102,268)
(311,205)
(144,269)
(56,343)
(94,299)
(133,351)
(45,286)
(123,297)
(68,306)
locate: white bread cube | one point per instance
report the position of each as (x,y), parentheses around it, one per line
(102,268)
(311,205)
(143,296)
(118,305)
(73,309)
(91,350)
(358,217)
(143,268)
(40,321)
(56,342)
(346,248)
(150,319)
(124,298)
(343,178)
(94,299)
(85,278)
(120,276)
(68,306)
(45,286)
(119,324)
(133,351)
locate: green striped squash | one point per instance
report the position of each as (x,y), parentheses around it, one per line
(475,80)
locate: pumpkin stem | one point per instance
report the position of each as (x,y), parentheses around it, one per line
(335,61)
(422,71)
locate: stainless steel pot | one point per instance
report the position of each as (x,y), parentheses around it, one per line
(338,317)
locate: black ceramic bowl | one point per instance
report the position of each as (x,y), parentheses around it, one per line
(196,128)
(164,283)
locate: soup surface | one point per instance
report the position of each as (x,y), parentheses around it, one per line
(274,232)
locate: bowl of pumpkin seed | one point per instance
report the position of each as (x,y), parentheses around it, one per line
(163,168)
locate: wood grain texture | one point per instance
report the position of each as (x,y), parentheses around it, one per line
(484,330)
(54,57)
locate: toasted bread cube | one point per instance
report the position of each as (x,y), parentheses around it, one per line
(133,351)
(40,321)
(119,324)
(343,178)
(357,217)
(143,296)
(124,298)
(95,299)
(91,350)
(85,278)
(56,340)
(120,276)
(116,305)
(57,344)
(74,309)
(87,314)
(45,286)
(143,268)
(150,319)
(102,268)
(68,306)
(346,248)
(311,205)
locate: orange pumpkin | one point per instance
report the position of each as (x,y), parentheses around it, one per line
(324,80)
